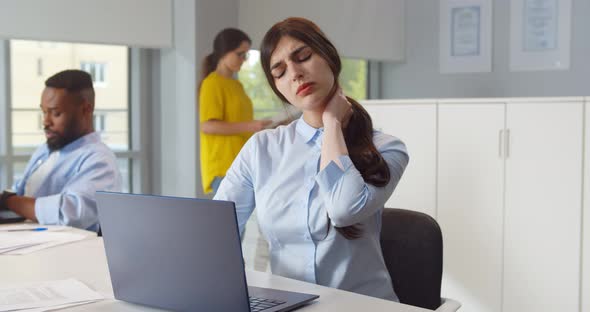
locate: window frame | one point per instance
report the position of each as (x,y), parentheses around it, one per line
(136,155)
(97,71)
(6,159)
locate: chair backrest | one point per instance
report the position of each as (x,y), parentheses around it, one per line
(411,242)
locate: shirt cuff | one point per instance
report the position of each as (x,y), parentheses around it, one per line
(332,172)
(47,209)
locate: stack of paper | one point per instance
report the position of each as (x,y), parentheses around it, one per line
(45,296)
(23,241)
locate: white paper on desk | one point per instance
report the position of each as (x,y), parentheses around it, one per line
(30,226)
(14,240)
(20,243)
(13,248)
(45,295)
(61,239)
(58,307)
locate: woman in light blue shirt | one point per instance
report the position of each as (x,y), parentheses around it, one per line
(320,183)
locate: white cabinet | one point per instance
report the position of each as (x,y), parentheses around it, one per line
(543,206)
(509,184)
(415,124)
(470,191)
(586,222)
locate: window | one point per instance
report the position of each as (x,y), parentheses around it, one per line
(353,80)
(39,67)
(99,122)
(266,103)
(111,113)
(96,70)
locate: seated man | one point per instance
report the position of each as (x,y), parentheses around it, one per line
(60,180)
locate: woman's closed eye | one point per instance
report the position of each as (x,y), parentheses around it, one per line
(302,55)
(299,56)
(278,71)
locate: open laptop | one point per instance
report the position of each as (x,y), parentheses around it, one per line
(8,216)
(181,254)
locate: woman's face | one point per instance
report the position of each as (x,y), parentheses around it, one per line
(301,75)
(233,60)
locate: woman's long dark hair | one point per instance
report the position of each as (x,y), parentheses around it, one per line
(358,134)
(226,41)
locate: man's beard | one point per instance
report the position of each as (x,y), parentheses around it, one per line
(59,141)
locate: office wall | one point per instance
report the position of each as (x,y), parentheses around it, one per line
(140,23)
(418,76)
(359,28)
(176,115)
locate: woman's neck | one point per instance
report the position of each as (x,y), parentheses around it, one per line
(224,71)
(313,119)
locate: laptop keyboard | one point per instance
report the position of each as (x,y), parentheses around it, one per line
(261,304)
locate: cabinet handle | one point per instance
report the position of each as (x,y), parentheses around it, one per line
(507,148)
(500,141)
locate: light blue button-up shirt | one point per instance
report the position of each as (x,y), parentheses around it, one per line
(277,172)
(67,194)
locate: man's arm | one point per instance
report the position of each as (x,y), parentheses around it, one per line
(22,205)
(75,205)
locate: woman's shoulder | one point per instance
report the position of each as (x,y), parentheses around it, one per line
(385,141)
(212,78)
(215,80)
(275,135)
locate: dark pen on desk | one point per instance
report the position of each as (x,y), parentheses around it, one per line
(39,229)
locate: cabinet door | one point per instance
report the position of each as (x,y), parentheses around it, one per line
(586,225)
(415,124)
(470,201)
(543,207)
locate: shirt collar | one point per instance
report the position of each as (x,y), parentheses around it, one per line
(308,132)
(92,137)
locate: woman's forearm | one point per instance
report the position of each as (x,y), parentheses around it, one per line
(333,144)
(219,127)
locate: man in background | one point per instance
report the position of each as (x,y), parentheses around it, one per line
(62,176)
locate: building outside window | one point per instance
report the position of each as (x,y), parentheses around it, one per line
(28,59)
(97,71)
(39,67)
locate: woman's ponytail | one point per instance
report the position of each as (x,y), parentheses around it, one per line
(208,66)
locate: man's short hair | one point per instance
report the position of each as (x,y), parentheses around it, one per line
(74,81)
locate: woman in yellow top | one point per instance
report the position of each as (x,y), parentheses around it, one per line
(225,111)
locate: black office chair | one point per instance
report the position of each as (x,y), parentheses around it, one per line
(412,247)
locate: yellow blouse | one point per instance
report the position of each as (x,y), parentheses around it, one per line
(223,99)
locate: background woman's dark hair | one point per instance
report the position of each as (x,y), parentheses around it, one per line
(226,41)
(358,135)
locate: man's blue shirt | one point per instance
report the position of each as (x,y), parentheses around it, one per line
(67,194)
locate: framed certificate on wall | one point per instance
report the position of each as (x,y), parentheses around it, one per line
(465,36)
(540,33)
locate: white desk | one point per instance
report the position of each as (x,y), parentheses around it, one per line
(86,261)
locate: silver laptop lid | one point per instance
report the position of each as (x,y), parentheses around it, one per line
(164,252)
